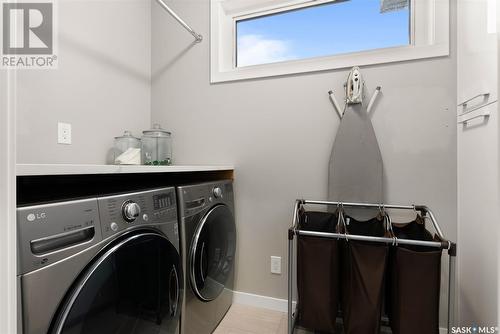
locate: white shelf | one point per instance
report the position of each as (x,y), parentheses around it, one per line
(63,169)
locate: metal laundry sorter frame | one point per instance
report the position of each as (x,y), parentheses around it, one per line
(293,231)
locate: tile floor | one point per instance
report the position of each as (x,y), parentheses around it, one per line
(243,319)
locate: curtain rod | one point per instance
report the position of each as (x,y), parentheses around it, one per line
(198,37)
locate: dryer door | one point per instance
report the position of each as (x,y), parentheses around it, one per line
(133,287)
(212,253)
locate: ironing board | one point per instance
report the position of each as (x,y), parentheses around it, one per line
(356,168)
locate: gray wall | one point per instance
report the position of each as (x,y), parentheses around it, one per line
(102,85)
(278,132)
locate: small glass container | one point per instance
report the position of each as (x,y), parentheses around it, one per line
(123,143)
(156,147)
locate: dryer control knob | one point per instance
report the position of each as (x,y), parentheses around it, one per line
(217,192)
(130,211)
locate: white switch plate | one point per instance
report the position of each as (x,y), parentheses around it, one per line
(276,265)
(64,133)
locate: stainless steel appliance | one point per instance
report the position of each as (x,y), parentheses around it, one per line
(208,242)
(101,265)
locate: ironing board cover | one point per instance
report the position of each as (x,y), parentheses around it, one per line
(356,169)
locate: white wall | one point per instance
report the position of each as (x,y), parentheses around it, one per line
(479,194)
(102,85)
(498,152)
(7,206)
(478,169)
(279,132)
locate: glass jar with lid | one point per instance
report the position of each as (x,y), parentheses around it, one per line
(156,146)
(124,143)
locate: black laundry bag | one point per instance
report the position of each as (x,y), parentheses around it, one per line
(318,273)
(413,282)
(363,277)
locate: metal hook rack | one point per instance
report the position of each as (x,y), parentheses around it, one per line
(445,244)
(359,93)
(476,111)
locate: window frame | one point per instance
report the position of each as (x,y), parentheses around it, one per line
(429,37)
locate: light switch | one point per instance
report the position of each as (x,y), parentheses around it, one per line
(276,265)
(64,133)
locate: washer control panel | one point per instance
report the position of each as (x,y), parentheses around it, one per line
(47,233)
(196,198)
(217,191)
(130,211)
(50,232)
(152,207)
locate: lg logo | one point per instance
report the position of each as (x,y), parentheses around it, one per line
(27,28)
(36,216)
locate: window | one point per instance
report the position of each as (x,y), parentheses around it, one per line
(261,38)
(334,28)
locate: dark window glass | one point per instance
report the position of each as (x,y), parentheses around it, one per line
(135,289)
(212,257)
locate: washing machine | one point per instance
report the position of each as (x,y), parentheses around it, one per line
(208,245)
(101,265)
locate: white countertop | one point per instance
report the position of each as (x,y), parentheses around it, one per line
(63,169)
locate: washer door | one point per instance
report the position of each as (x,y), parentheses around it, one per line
(212,253)
(133,287)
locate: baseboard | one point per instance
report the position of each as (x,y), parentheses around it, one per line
(270,303)
(276,304)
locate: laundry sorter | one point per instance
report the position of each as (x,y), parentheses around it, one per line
(360,270)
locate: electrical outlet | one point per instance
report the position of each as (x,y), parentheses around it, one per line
(64,133)
(276,265)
